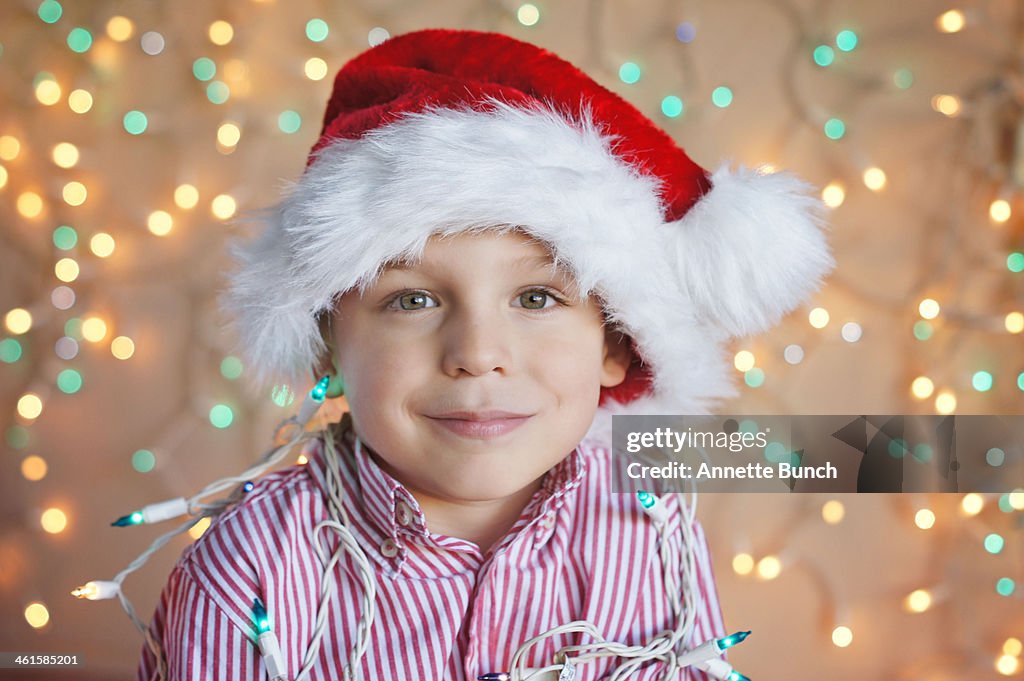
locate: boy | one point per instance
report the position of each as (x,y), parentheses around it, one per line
(489,254)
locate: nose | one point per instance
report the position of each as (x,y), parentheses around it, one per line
(477,342)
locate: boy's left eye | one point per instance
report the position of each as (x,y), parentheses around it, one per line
(537,299)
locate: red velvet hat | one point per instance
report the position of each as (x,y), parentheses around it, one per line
(440,131)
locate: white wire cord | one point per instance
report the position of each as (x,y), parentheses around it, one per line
(664,647)
(339,523)
(199,510)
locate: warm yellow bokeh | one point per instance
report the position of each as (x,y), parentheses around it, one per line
(30,205)
(221,32)
(818,317)
(33,468)
(922,387)
(833,512)
(102,244)
(48,92)
(160,222)
(223,206)
(122,347)
(833,195)
(951,21)
(66,269)
(80,101)
(228,134)
(743,563)
(120,28)
(10,147)
(75,193)
(94,329)
(54,520)
(315,68)
(875,179)
(18,321)
(30,406)
(744,360)
(65,155)
(972,504)
(769,567)
(918,601)
(945,403)
(37,615)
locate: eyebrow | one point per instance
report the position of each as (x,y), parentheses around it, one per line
(524,262)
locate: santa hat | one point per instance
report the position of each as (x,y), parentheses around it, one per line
(441,131)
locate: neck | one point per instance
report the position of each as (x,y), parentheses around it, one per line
(481,522)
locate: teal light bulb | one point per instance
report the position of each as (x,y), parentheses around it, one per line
(730,641)
(647,500)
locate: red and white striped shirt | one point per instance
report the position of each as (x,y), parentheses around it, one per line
(444,610)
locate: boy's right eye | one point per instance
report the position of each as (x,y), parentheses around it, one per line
(415,300)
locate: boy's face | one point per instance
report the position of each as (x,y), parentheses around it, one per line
(484,323)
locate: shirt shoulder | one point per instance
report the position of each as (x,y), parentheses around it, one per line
(259,544)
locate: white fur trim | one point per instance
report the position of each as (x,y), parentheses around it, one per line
(365,202)
(752,249)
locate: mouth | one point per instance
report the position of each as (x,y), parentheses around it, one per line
(480,425)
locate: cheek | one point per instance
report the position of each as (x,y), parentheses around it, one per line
(376,368)
(572,361)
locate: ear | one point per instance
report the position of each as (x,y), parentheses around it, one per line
(326,364)
(617,357)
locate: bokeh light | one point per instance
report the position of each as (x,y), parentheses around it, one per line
(30,205)
(945,402)
(743,563)
(33,468)
(769,568)
(223,206)
(94,329)
(65,155)
(54,520)
(122,347)
(18,321)
(972,504)
(66,269)
(315,68)
(36,613)
(951,21)
(743,360)
(220,32)
(120,28)
(818,317)
(922,387)
(160,222)
(221,416)
(528,14)
(186,196)
(925,519)
(875,179)
(833,512)
(918,601)
(833,195)
(842,636)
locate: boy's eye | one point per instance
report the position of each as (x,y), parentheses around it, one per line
(417,300)
(536,299)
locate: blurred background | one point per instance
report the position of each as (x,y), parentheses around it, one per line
(133,132)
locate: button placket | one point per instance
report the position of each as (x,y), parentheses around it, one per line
(389,548)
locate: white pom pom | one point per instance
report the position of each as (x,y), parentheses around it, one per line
(752,249)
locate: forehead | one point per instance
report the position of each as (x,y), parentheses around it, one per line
(508,251)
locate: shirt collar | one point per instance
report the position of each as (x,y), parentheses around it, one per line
(396,514)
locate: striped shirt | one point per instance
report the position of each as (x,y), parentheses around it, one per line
(444,610)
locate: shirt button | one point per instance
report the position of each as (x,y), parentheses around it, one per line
(403,513)
(389,548)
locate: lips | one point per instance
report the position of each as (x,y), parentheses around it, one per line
(480,425)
